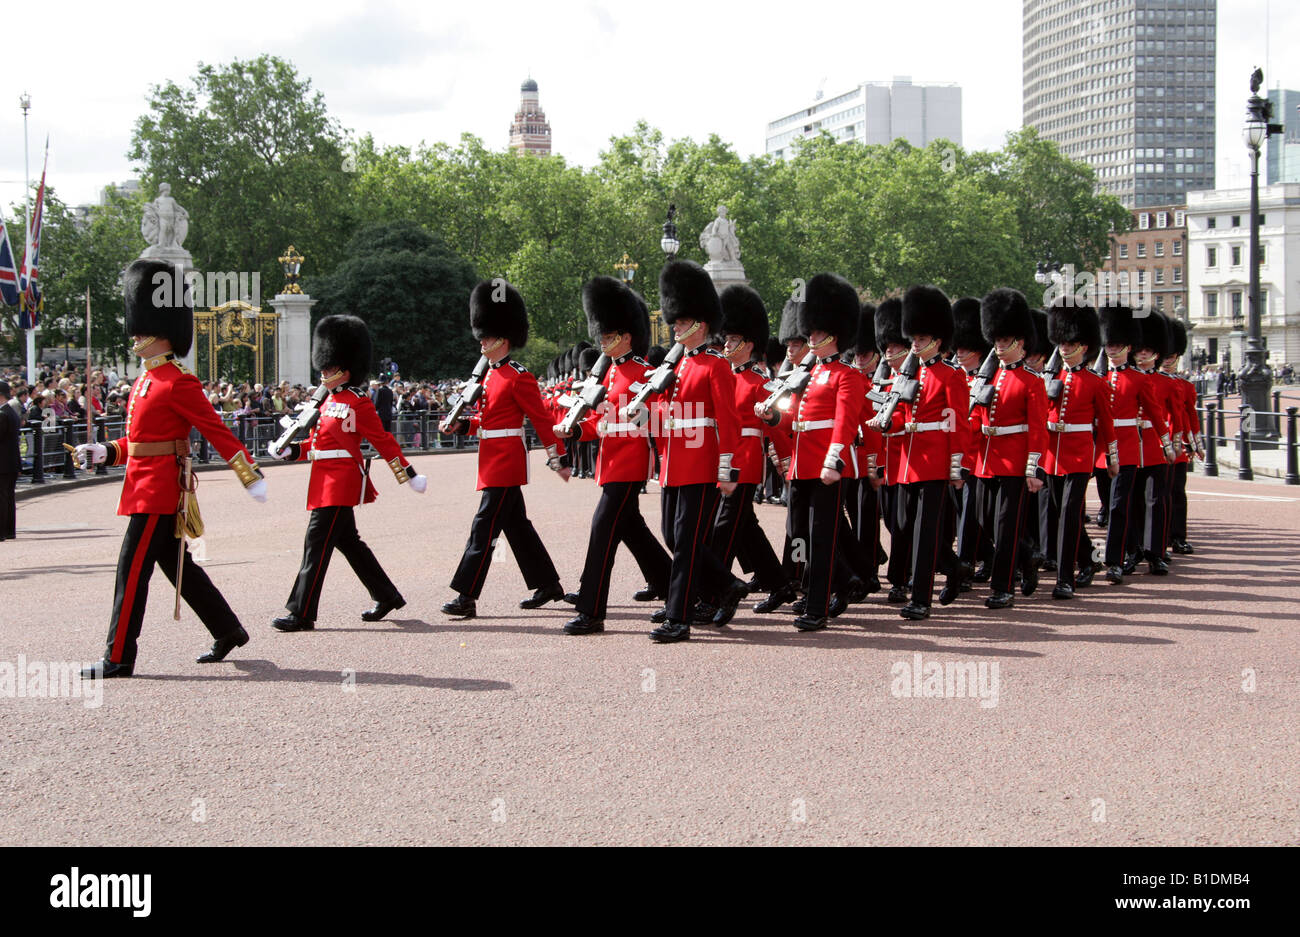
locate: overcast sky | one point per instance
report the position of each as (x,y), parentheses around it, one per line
(412,72)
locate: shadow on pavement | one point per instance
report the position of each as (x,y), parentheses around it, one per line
(264,671)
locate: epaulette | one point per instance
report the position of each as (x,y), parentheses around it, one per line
(518,367)
(715,353)
(639,360)
(954,365)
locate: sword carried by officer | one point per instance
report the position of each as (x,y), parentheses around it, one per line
(660,380)
(467,397)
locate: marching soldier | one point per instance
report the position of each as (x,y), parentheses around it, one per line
(893,348)
(340,477)
(934,442)
(499,321)
(1013,428)
(166,402)
(825,424)
(699,436)
(972,547)
(1191,438)
(736,531)
(863,493)
(1134,408)
(619,321)
(1079,423)
(1158,454)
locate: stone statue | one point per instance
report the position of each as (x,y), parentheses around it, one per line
(165,223)
(718,239)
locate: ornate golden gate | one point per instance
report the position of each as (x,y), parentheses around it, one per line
(236,341)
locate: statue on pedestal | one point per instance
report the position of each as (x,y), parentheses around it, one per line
(718,239)
(164,226)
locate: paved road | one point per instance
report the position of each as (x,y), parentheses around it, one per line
(1164,711)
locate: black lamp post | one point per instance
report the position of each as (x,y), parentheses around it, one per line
(669,245)
(1256,380)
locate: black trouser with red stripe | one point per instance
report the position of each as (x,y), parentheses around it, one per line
(1072,544)
(8,512)
(972,545)
(502,511)
(687,519)
(815,511)
(1103,493)
(1178,506)
(900,542)
(330,527)
(922,515)
(617,519)
(736,534)
(1146,531)
(150,539)
(1119,511)
(1002,507)
(864,518)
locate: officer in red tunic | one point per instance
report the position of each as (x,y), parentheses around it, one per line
(699,433)
(934,442)
(894,350)
(618,319)
(1192,445)
(825,424)
(166,403)
(736,532)
(1134,409)
(1012,437)
(339,475)
(499,320)
(1151,487)
(972,546)
(1079,424)
(862,494)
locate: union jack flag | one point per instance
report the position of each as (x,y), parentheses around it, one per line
(8,273)
(31,302)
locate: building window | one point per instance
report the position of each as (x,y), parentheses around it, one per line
(1160,248)
(1211,222)
(1142,249)
(1123,252)
(1211,305)
(1236,221)
(1160,276)
(1162,219)
(1263,254)
(1180,219)
(1235,297)
(1236,255)
(1178,274)
(1160,300)
(1263,302)
(1178,248)
(1144,220)
(1142,277)
(1211,257)
(1261,221)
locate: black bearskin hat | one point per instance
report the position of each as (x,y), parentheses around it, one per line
(1038,343)
(1072,323)
(496,310)
(1177,336)
(889,324)
(927,311)
(744,314)
(775,353)
(789,326)
(865,343)
(966,332)
(1118,327)
(830,305)
(609,307)
(655,355)
(1155,332)
(687,292)
(587,360)
(342,342)
(1004,313)
(173,320)
(641,326)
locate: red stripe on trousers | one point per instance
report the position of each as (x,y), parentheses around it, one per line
(613,539)
(492,526)
(321,564)
(128,596)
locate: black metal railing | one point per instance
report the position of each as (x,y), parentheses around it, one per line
(1253,430)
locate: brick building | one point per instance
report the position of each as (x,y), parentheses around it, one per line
(531,131)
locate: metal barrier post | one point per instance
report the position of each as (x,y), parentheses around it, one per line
(38,452)
(1277,413)
(1244,472)
(101,435)
(1211,467)
(1292,456)
(69,469)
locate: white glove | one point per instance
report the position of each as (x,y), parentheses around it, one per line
(275,451)
(91,453)
(418,483)
(257,491)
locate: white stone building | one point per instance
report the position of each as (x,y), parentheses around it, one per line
(1218,273)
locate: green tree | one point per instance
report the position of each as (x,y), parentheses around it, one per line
(413,293)
(252,154)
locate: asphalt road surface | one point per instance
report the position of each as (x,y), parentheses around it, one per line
(1163,711)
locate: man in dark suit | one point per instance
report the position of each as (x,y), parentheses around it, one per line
(9,464)
(383,401)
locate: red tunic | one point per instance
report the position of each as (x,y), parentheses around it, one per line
(509,394)
(703,390)
(750,381)
(166,401)
(625,454)
(939,425)
(1084,402)
(829,413)
(1133,399)
(1020,399)
(346,418)
(1191,418)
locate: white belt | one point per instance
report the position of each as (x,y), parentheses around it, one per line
(750,431)
(1070,427)
(499,433)
(315,455)
(620,427)
(674,423)
(926,427)
(1006,430)
(802,426)
(1146,424)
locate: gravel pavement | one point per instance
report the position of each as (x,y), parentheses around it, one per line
(1160,712)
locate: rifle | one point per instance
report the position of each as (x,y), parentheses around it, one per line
(308,414)
(659,381)
(1053,374)
(592,396)
(469,394)
(981,389)
(904,390)
(878,394)
(1099,366)
(788,383)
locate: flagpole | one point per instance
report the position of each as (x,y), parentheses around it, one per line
(25,102)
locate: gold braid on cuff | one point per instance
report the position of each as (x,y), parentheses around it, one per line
(399,470)
(247,472)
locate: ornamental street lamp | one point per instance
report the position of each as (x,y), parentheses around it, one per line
(626,268)
(291,263)
(669,242)
(1256,380)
